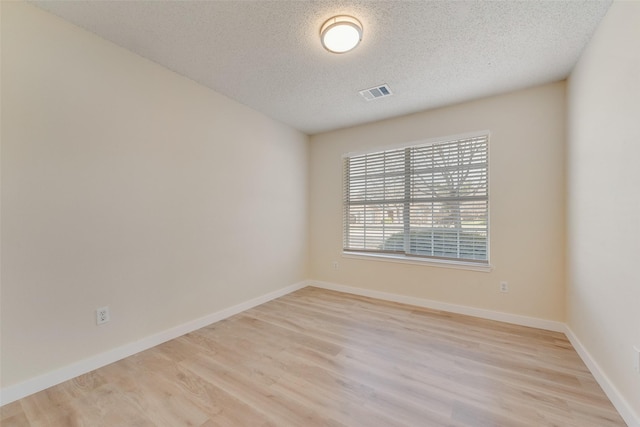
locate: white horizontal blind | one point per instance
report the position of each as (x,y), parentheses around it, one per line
(429,200)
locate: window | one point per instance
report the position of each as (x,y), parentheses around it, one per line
(429,200)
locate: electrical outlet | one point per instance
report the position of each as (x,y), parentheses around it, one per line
(504,287)
(335,265)
(636,358)
(102,315)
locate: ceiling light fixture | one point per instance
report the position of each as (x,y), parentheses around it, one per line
(341,33)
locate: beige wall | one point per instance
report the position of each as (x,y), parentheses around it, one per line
(603,198)
(124,184)
(526,205)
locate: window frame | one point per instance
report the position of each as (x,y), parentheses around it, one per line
(406,258)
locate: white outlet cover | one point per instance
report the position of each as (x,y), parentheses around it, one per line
(102,315)
(636,358)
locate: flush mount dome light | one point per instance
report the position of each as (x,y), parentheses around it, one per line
(341,33)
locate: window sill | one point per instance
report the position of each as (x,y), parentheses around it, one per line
(459,265)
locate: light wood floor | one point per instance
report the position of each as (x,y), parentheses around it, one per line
(323,358)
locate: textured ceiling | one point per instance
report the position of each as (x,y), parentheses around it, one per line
(267,54)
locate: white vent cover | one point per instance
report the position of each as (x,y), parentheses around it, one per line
(376,92)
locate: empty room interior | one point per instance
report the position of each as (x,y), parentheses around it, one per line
(320,213)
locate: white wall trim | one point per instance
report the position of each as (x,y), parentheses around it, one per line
(42,382)
(516,319)
(622,406)
(403,259)
(626,411)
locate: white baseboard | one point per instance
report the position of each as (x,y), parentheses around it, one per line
(516,319)
(622,406)
(42,382)
(627,413)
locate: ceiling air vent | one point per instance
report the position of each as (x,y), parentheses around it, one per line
(376,92)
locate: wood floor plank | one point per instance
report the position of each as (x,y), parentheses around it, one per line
(323,358)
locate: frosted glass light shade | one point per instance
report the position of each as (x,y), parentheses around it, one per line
(341,33)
